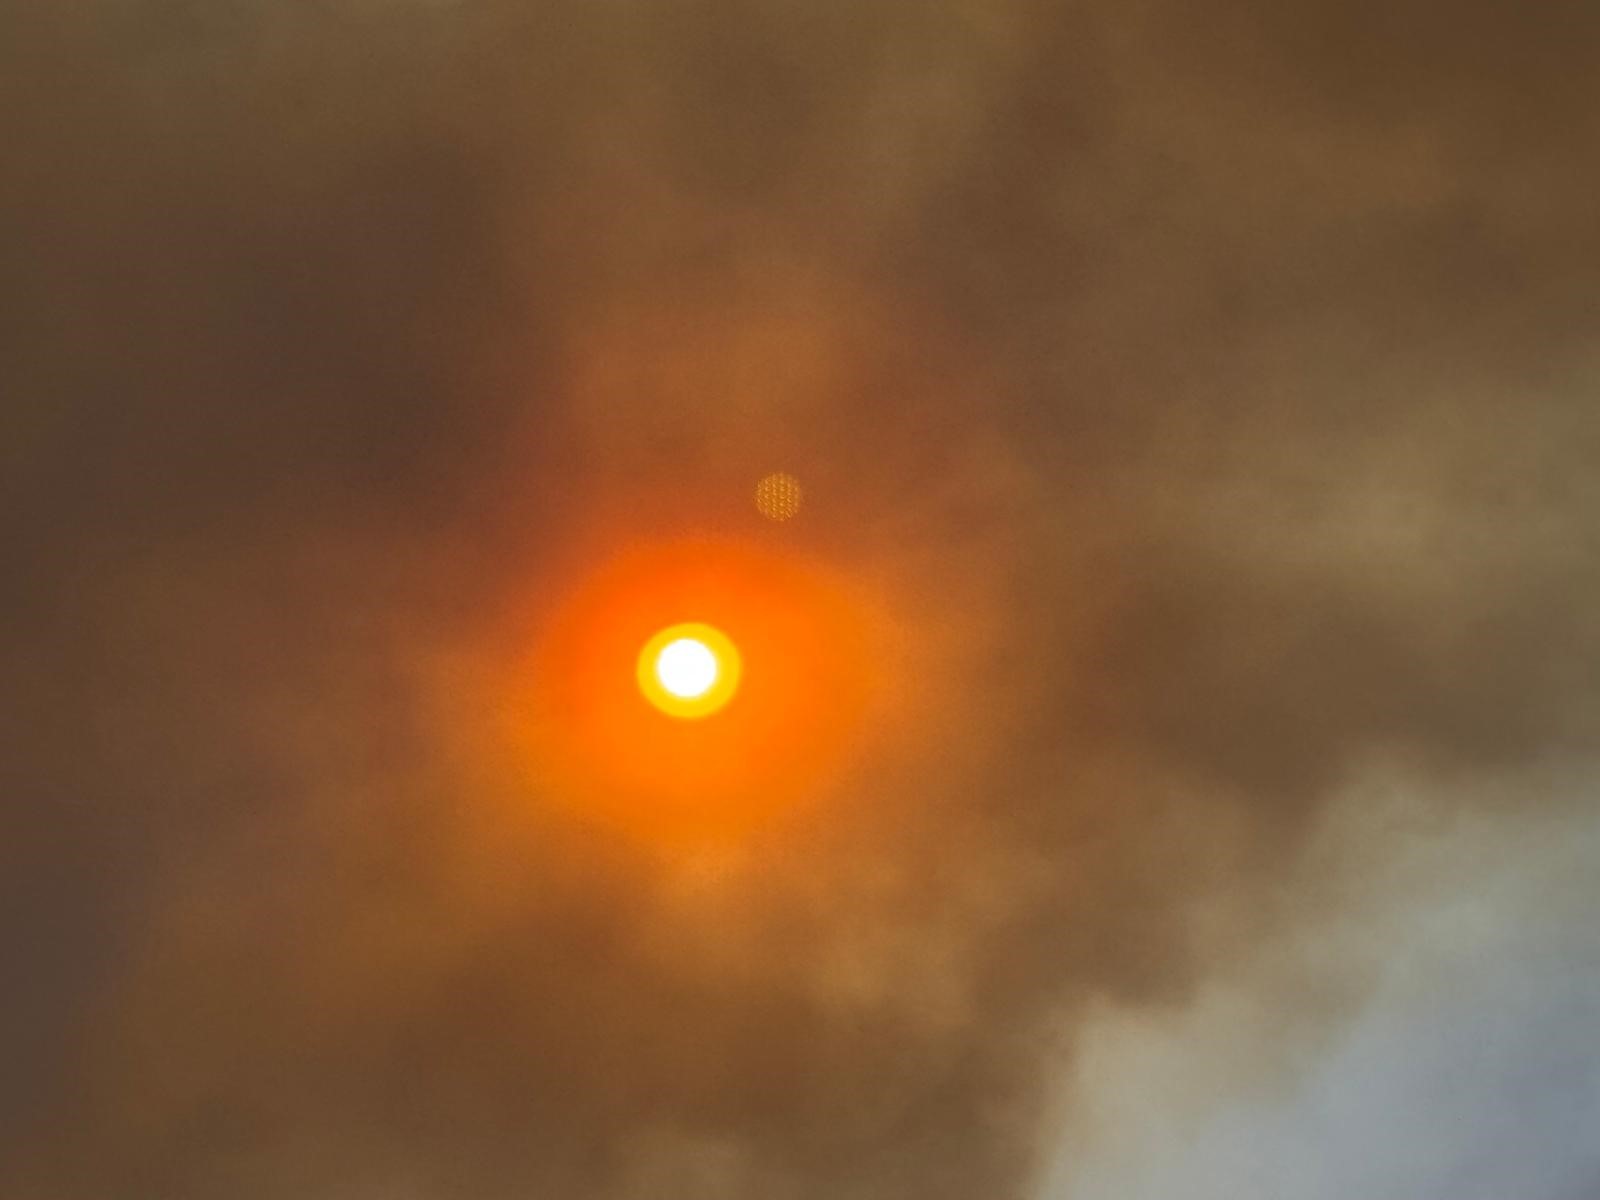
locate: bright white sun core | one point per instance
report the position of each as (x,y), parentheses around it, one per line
(687,668)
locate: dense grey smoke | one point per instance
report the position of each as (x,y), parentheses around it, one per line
(1209,397)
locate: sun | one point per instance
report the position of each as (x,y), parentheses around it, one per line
(689,671)
(692,688)
(687,668)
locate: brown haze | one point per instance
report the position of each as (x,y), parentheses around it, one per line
(1209,392)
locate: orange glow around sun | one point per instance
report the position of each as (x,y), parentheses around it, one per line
(693,688)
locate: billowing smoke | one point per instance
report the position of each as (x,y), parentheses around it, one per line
(1209,397)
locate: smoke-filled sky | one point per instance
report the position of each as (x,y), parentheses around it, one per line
(1206,399)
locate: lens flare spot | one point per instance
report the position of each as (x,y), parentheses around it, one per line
(778,496)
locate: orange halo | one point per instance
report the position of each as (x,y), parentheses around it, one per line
(598,730)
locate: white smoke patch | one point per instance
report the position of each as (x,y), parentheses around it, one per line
(1466,1068)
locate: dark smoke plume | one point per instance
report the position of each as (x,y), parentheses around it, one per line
(1209,394)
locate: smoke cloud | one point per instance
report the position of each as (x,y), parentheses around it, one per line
(1208,397)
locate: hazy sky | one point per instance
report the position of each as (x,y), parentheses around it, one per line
(1205,397)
